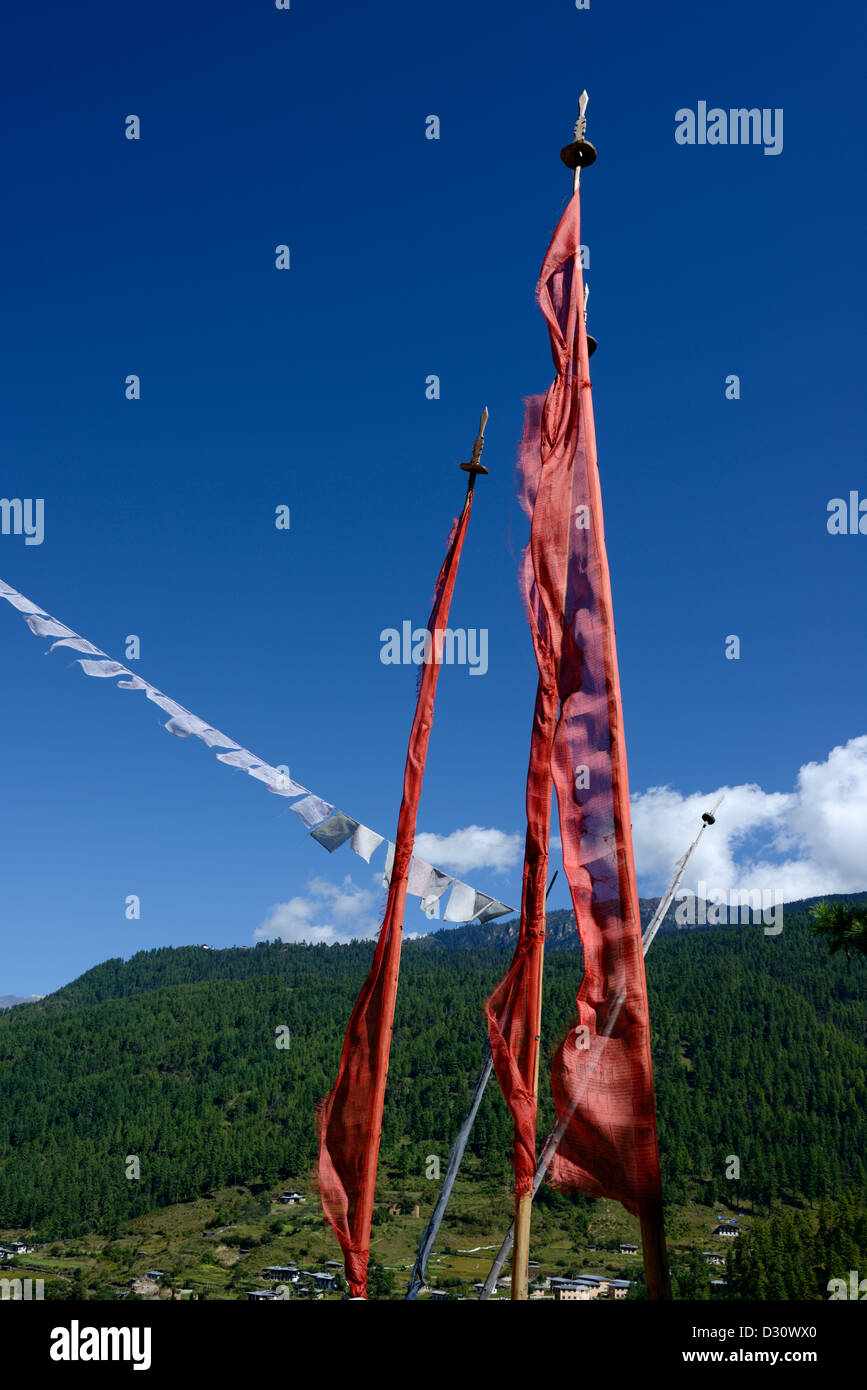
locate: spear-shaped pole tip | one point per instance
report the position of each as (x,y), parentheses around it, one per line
(580,153)
(475,465)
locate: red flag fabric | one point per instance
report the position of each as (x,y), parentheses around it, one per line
(601,1075)
(350,1119)
(510,1008)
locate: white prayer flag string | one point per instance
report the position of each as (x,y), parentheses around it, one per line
(327,825)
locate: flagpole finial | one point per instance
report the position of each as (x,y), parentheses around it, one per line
(580,153)
(475,465)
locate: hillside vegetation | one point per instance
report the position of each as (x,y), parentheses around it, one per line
(172,1057)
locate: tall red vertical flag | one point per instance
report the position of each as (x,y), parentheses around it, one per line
(350,1119)
(601,1077)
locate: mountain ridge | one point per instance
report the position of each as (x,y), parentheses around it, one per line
(110,979)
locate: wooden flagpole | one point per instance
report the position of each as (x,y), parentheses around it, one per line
(575,156)
(551,1143)
(417,1278)
(524,1204)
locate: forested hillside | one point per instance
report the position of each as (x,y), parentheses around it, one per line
(759,1047)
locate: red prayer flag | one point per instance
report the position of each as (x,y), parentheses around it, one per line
(350,1119)
(510,1009)
(601,1076)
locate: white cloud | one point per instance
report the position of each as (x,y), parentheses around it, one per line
(804,843)
(329,912)
(472,848)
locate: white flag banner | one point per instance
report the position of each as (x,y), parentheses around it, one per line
(276,781)
(425,881)
(419,877)
(170,706)
(496,909)
(102,668)
(481,904)
(335,831)
(81,644)
(433,891)
(185,724)
(239,757)
(214,739)
(462,903)
(312,809)
(365,841)
(389,864)
(21,603)
(48,627)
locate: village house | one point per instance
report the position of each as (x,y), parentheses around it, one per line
(713,1257)
(619,1288)
(627,1248)
(260,1295)
(588,1286)
(727,1229)
(574,1291)
(281,1274)
(291,1199)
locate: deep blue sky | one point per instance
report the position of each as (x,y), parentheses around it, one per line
(307,387)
